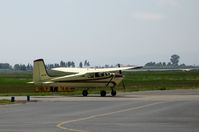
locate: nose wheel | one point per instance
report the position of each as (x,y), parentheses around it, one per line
(84,92)
(113,92)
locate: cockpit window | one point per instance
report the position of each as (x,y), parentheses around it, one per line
(91,75)
(97,75)
(102,74)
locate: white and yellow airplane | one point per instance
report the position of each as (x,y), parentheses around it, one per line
(79,78)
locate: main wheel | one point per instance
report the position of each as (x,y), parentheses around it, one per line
(113,92)
(103,93)
(84,92)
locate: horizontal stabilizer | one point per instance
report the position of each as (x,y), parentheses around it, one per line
(48,82)
(30,82)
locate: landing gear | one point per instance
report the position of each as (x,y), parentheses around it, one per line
(113,92)
(103,93)
(84,92)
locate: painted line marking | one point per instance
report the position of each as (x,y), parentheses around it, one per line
(60,125)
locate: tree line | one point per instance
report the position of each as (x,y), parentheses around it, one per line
(68,64)
(174,63)
(29,67)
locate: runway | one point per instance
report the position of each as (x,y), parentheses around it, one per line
(153,111)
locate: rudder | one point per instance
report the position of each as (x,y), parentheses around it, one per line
(39,71)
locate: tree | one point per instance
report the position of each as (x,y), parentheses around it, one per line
(150,64)
(159,64)
(164,64)
(16,67)
(85,63)
(80,64)
(175,59)
(56,65)
(69,64)
(169,64)
(88,63)
(29,67)
(62,64)
(23,67)
(72,64)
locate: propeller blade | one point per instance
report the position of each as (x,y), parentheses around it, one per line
(120,72)
(123,84)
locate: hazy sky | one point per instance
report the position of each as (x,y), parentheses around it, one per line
(102,31)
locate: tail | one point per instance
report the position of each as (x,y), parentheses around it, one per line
(39,71)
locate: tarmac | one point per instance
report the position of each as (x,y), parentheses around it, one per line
(152,111)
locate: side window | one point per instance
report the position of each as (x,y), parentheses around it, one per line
(97,75)
(107,74)
(91,75)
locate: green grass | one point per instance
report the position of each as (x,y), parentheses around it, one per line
(5,101)
(16,83)
(161,80)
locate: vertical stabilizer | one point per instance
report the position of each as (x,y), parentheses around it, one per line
(39,71)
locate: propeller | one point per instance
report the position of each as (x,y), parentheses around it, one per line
(120,72)
(123,84)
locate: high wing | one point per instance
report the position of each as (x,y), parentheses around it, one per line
(70,70)
(153,70)
(92,70)
(68,77)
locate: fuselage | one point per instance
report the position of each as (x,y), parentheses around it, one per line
(87,81)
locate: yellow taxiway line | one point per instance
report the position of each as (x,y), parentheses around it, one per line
(61,125)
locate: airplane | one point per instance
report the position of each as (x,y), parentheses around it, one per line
(85,78)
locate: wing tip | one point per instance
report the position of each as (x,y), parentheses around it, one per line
(39,60)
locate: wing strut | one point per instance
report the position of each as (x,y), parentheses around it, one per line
(109,81)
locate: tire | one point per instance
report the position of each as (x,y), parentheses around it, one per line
(113,92)
(103,93)
(84,92)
